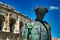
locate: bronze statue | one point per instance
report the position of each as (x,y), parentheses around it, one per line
(38,29)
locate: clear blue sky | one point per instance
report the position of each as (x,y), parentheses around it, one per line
(27,7)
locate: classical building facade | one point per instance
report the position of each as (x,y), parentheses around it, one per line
(11,23)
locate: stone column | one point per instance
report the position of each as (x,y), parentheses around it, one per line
(6,23)
(16,29)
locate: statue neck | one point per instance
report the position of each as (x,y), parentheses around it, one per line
(37,19)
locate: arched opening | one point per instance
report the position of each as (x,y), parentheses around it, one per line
(2,19)
(12,24)
(21,27)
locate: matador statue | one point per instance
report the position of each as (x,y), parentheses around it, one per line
(38,29)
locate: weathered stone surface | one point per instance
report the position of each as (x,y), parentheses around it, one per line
(10,36)
(10,23)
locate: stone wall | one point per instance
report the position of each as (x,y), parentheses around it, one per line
(10,36)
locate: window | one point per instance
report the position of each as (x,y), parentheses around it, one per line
(12,24)
(21,27)
(1,21)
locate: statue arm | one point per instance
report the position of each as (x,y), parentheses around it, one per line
(49,32)
(49,29)
(26,32)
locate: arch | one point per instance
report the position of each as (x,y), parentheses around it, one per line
(21,27)
(12,24)
(2,19)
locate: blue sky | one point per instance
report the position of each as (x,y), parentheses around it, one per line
(27,7)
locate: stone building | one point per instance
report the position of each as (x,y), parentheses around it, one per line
(11,23)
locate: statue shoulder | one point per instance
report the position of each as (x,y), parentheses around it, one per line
(47,25)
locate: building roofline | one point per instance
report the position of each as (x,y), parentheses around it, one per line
(13,10)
